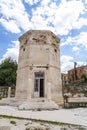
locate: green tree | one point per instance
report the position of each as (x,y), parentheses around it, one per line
(8,68)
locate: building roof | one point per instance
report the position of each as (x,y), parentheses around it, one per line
(80,67)
(39,33)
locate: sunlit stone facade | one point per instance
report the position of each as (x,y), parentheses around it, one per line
(38,74)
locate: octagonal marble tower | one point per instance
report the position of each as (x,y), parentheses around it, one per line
(38,74)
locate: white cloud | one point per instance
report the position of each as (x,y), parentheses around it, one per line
(31,2)
(66,63)
(48,15)
(80,63)
(67,15)
(13,51)
(14,15)
(67,42)
(45,2)
(75,49)
(10,25)
(79,40)
(80,22)
(63,17)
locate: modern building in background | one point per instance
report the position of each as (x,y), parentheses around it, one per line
(79,73)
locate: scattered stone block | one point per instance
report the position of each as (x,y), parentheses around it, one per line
(37,127)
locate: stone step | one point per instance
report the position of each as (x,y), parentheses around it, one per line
(39,100)
(38,106)
(32,105)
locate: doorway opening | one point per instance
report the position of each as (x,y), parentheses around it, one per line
(39,84)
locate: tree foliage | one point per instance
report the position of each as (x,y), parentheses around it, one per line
(8,68)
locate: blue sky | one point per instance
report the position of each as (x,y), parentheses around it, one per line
(66,18)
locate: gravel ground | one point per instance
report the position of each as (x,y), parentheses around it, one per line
(18,124)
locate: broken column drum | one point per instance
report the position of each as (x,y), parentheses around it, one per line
(38,74)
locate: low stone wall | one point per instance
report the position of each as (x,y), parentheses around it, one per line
(4,91)
(77,99)
(76,102)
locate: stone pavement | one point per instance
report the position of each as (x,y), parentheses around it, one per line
(72,116)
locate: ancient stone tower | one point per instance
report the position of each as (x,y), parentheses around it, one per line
(38,75)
